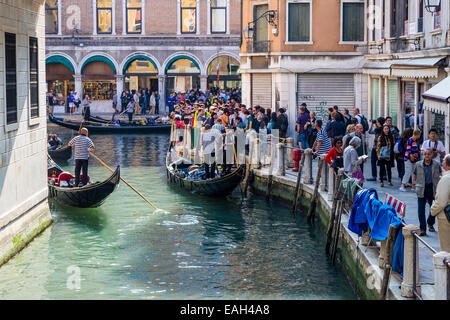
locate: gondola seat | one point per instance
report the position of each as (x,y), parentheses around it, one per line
(65,178)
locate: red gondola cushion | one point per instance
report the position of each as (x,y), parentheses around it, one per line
(64,176)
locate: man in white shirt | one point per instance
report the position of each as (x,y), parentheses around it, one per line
(432,143)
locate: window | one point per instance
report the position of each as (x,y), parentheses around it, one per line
(420,19)
(374,21)
(34,79)
(134,16)
(11,78)
(383,19)
(299,22)
(261,26)
(218,16)
(104,16)
(393,18)
(406,18)
(188,16)
(353,21)
(51,16)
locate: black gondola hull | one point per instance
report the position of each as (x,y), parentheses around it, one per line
(90,196)
(217,187)
(108,129)
(61,154)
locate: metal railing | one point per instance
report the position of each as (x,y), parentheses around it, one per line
(328,181)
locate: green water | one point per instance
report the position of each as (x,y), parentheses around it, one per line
(198,248)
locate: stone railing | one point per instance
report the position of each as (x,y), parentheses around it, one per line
(280,158)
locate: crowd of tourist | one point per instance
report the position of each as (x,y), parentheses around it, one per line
(342,138)
(419,159)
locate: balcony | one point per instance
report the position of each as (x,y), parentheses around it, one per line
(258,46)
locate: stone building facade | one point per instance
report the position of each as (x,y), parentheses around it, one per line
(94,46)
(409,51)
(24,211)
(312,52)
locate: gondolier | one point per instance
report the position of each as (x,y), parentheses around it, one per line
(82,145)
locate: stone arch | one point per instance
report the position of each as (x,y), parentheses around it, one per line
(101,57)
(131,57)
(63,58)
(182,55)
(219,54)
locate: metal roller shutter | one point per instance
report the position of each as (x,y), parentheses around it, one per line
(262,90)
(393,100)
(321,91)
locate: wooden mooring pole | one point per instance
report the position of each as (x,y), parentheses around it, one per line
(333,211)
(312,209)
(297,186)
(337,229)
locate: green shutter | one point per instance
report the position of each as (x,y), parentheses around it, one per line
(393,100)
(353,21)
(299,22)
(375,98)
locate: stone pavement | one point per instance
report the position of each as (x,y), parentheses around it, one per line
(426,269)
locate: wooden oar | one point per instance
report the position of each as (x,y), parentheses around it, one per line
(132,188)
(120,114)
(82,120)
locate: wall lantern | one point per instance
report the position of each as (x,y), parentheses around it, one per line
(270,16)
(433,6)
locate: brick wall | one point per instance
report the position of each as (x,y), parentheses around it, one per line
(160,16)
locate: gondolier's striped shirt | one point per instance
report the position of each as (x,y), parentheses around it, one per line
(81,144)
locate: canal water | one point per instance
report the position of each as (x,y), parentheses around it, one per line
(197,248)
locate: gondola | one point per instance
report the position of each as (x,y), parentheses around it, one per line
(61,154)
(216,187)
(89,196)
(124,127)
(102,120)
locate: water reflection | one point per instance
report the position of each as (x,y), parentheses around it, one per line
(124,150)
(198,249)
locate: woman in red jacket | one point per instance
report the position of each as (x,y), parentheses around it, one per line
(336,151)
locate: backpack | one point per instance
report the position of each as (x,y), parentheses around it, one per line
(408,123)
(398,147)
(364,123)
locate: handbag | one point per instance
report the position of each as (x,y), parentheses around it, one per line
(358,174)
(385,153)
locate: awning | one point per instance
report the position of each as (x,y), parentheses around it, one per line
(416,68)
(440,92)
(378,68)
(407,68)
(437,99)
(61,60)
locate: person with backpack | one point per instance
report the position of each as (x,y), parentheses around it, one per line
(409,118)
(377,131)
(337,126)
(302,120)
(400,149)
(282,122)
(347,117)
(412,155)
(385,153)
(361,119)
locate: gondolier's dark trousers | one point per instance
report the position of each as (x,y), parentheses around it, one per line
(210,169)
(81,164)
